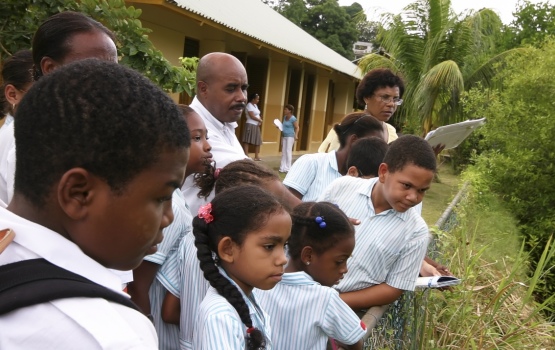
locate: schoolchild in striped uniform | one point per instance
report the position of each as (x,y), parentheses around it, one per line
(304,310)
(392,237)
(158,274)
(312,173)
(246,229)
(192,286)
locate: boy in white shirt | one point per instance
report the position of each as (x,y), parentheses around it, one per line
(100,151)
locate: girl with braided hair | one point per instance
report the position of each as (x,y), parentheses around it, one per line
(304,311)
(240,239)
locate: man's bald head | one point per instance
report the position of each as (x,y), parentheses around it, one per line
(222,86)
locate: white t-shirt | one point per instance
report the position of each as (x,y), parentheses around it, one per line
(252,108)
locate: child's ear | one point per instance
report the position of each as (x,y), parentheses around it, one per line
(353,171)
(306,255)
(75,191)
(47,65)
(382,171)
(226,249)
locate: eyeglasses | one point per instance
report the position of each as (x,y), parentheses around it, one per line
(388,99)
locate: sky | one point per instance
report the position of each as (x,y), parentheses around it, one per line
(504,8)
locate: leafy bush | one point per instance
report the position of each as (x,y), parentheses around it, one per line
(517,151)
(21,18)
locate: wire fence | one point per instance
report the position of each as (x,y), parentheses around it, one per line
(400,326)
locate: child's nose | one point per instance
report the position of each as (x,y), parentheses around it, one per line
(282,258)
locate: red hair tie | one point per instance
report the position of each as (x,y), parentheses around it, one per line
(217,173)
(204,212)
(250,330)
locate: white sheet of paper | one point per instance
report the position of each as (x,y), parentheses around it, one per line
(452,135)
(278,124)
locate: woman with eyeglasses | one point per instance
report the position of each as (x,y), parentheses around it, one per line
(380,93)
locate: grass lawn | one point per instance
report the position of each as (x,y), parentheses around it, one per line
(440,194)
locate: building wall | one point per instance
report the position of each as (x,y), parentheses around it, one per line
(288,79)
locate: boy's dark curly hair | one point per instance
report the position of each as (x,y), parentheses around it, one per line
(367,154)
(100,116)
(410,149)
(236,211)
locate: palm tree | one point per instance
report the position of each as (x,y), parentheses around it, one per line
(439,56)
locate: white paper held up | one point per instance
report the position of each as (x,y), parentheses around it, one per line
(277,123)
(452,135)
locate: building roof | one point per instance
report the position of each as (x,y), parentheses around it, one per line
(259,21)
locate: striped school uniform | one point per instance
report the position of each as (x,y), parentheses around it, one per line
(192,290)
(218,325)
(167,275)
(311,174)
(390,246)
(305,314)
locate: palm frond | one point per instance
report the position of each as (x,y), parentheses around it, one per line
(486,72)
(374,60)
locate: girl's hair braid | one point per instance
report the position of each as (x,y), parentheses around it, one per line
(236,212)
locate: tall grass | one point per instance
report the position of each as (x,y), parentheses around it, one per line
(494,307)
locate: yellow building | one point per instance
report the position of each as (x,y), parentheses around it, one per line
(285,65)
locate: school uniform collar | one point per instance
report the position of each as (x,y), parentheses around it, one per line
(255,310)
(58,250)
(332,160)
(209,118)
(299,278)
(366,190)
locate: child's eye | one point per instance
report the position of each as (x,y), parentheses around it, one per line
(269,246)
(197,138)
(340,262)
(406,186)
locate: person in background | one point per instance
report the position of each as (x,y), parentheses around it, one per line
(17,79)
(289,134)
(312,173)
(63,38)
(221,98)
(251,135)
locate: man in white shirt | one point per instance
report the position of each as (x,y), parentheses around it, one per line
(221,98)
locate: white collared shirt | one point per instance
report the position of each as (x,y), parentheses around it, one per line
(85,323)
(390,246)
(225,149)
(7,162)
(305,314)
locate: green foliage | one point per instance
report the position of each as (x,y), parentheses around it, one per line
(325,20)
(533,24)
(517,149)
(494,307)
(440,56)
(21,18)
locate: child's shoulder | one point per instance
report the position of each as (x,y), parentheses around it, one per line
(344,183)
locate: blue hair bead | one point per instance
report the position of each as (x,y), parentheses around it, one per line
(320,221)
